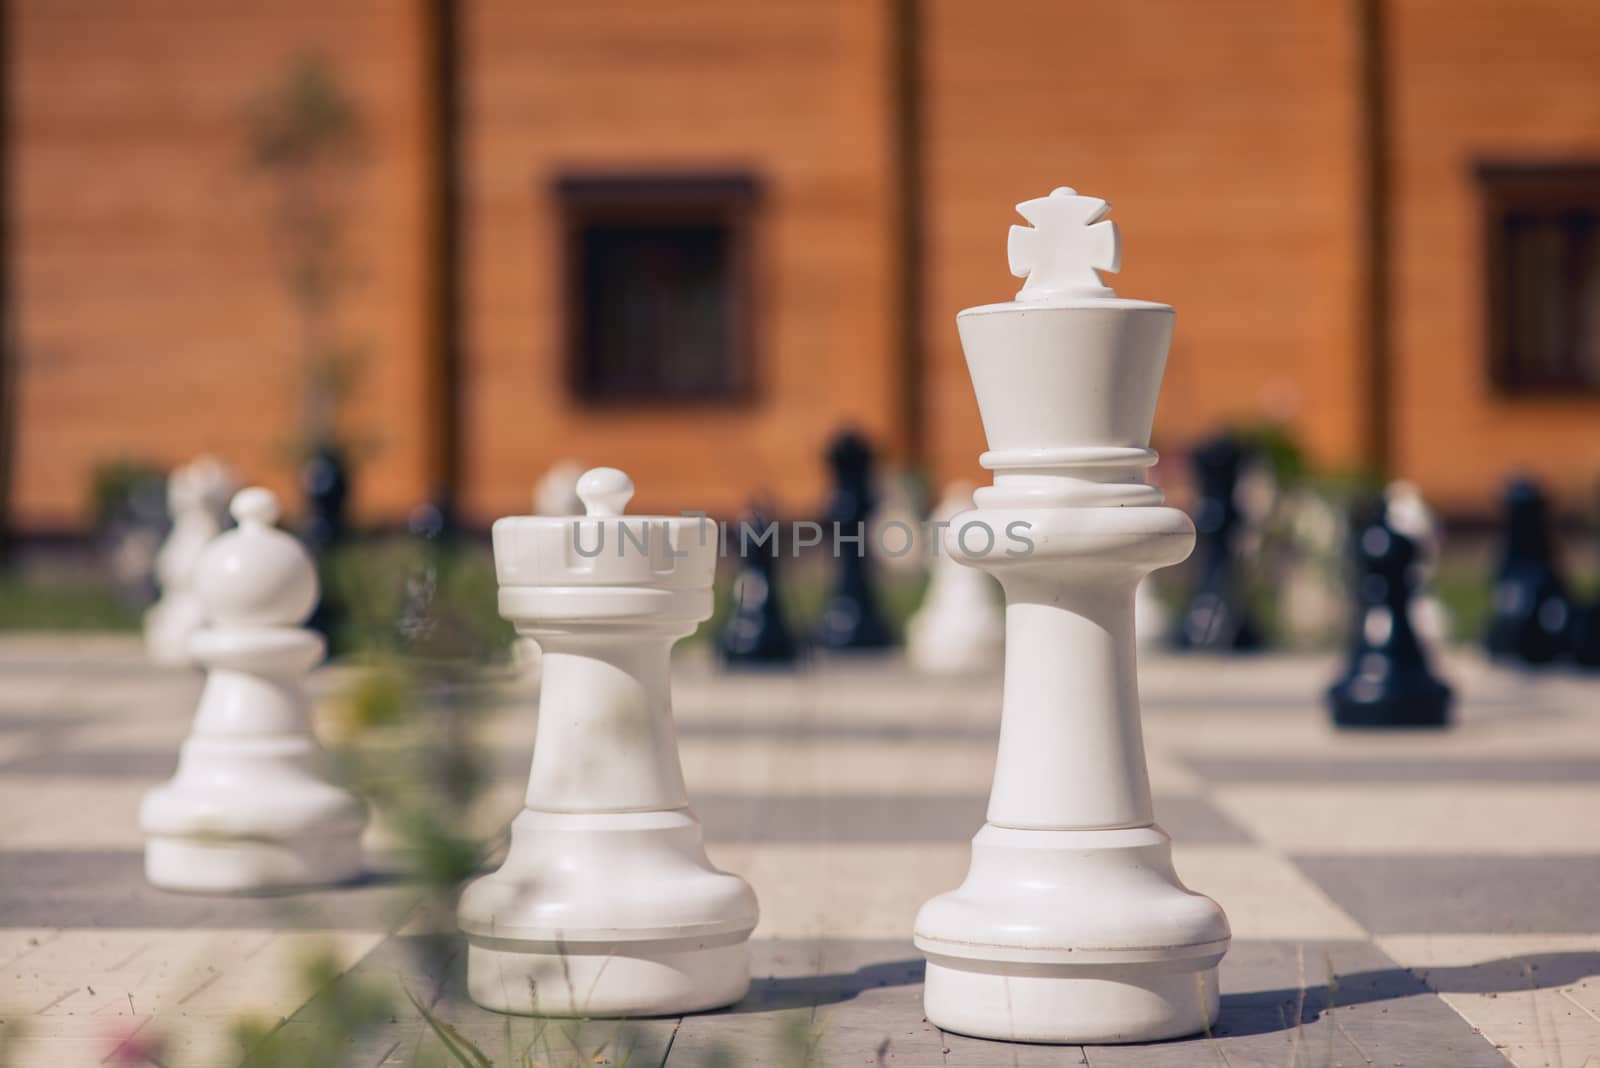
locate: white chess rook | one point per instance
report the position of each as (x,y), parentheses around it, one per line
(253,806)
(607,904)
(1071,925)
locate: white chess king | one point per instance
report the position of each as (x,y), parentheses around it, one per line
(1071,925)
(254,805)
(606,904)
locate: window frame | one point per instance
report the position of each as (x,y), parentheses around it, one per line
(1540,188)
(726,199)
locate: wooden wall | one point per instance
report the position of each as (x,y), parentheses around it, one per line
(152,319)
(1225,137)
(793,92)
(1480,80)
(153,322)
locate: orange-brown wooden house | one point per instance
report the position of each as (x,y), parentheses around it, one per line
(692,238)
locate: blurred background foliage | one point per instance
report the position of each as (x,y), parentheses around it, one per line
(374,575)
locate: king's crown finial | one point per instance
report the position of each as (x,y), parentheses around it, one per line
(1069,242)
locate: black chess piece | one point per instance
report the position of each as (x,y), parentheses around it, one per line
(325,481)
(1217,616)
(1531,614)
(851,619)
(1586,625)
(1586,635)
(756,633)
(1388,682)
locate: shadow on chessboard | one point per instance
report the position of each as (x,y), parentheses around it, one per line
(1263,1011)
(434,968)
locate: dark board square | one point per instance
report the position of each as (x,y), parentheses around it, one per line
(1463,894)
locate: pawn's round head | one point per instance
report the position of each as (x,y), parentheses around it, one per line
(255,574)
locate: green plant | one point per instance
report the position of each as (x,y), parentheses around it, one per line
(61,605)
(1465,591)
(345,1007)
(380,583)
(132,492)
(307,136)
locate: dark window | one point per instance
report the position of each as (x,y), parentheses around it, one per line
(1543,276)
(658,284)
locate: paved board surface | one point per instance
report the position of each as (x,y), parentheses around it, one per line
(1412,900)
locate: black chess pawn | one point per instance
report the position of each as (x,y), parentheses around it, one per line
(756,633)
(851,619)
(1387,682)
(1217,615)
(1531,615)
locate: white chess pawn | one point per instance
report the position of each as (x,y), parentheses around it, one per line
(197,499)
(1410,515)
(960,626)
(1072,925)
(253,805)
(892,532)
(557,491)
(1151,624)
(1312,596)
(606,904)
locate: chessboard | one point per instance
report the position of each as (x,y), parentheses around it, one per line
(1397,899)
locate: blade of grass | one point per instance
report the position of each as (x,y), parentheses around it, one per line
(452,1040)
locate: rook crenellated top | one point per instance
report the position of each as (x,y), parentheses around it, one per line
(606,546)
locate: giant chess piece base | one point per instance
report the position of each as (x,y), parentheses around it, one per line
(1118,951)
(252,812)
(607,914)
(1411,703)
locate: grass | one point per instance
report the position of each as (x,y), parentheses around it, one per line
(1465,592)
(64,606)
(372,580)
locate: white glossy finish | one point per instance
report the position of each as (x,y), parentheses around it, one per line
(253,806)
(197,499)
(606,904)
(960,626)
(1071,925)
